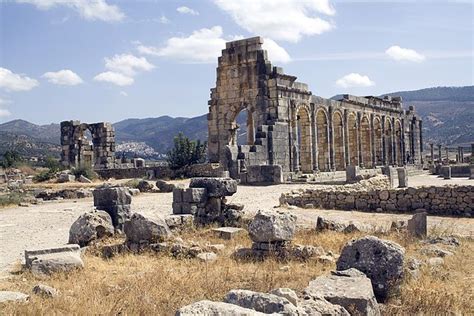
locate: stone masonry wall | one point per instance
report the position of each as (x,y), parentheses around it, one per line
(446,200)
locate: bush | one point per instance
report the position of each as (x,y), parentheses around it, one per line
(44,176)
(186,152)
(53,164)
(84,171)
(13,198)
(133,184)
(11,158)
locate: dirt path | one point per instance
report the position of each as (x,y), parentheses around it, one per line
(47,224)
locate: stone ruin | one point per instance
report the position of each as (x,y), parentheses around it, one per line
(205,199)
(291,131)
(78,151)
(115,200)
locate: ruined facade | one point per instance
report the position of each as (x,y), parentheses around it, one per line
(78,150)
(290,130)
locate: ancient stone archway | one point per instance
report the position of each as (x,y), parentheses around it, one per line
(323,140)
(366,148)
(388,142)
(398,143)
(338,127)
(353,144)
(303,122)
(245,128)
(378,142)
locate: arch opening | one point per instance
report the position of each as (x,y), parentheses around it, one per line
(303,122)
(242,131)
(388,142)
(323,141)
(398,143)
(338,142)
(352,139)
(365,142)
(378,142)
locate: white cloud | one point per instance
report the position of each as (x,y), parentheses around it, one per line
(353,80)
(88,9)
(123,93)
(276,53)
(16,82)
(115,78)
(127,64)
(205,45)
(63,77)
(186,10)
(164,20)
(404,54)
(287,20)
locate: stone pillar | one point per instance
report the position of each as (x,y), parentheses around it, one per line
(331,140)
(116,201)
(462,154)
(351,173)
(384,149)
(345,137)
(458,155)
(402,177)
(390,173)
(392,144)
(372,140)
(445,172)
(314,140)
(432,153)
(359,143)
(439,155)
(447,155)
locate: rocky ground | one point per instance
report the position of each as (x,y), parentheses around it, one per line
(47,224)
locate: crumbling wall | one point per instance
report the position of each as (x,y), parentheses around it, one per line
(447,200)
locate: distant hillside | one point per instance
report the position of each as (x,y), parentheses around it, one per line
(447,113)
(27,146)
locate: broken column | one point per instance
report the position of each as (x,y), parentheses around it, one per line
(447,155)
(417,225)
(445,172)
(390,173)
(352,173)
(439,155)
(402,177)
(432,153)
(116,201)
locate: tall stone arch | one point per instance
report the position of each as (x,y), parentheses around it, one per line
(322,130)
(338,132)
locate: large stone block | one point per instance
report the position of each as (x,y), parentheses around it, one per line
(216,187)
(47,261)
(417,225)
(111,195)
(261,302)
(272,226)
(195,195)
(215,308)
(150,229)
(90,226)
(351,290)
(381,260)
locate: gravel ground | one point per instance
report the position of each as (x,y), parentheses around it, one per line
(47,224)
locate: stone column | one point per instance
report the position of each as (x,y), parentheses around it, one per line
(331,140)
(372,139)
(359,143)
(384,150)
(314,139)
(393,159)
(345,137)
(432,153)
(439,154)
(462,154)
(447,155)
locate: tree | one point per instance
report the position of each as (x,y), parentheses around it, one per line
(10,158)
(186,152)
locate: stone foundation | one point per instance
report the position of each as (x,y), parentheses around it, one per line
(446,200)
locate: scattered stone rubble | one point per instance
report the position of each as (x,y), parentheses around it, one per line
(45,291)
(17,297)
(164,186)
(446,200)
(48,195)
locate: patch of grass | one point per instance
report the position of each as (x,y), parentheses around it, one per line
(13,198)
(84,171)
(152,284)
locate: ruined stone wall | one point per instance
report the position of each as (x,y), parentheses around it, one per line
(288,126)
(446,200)
(79,151)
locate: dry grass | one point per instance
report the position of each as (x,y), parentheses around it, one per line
(158,284)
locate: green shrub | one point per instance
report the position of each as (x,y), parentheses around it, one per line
(84,171)
(44,176)
(11,158)
(13,198)
(133,183)
(186,152)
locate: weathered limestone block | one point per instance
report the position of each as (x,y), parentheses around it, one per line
(351,290)
(45,291)
(272,226)
(47,261)
(402,177)
(17,297)
(116,201)
(149,229)
(381,260)
(216,187)
(144,186)
(164,186)
(261,302)
(352,174)
(417,225)
(215,308)
(90,226)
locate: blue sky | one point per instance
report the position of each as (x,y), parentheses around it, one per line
(105,60)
